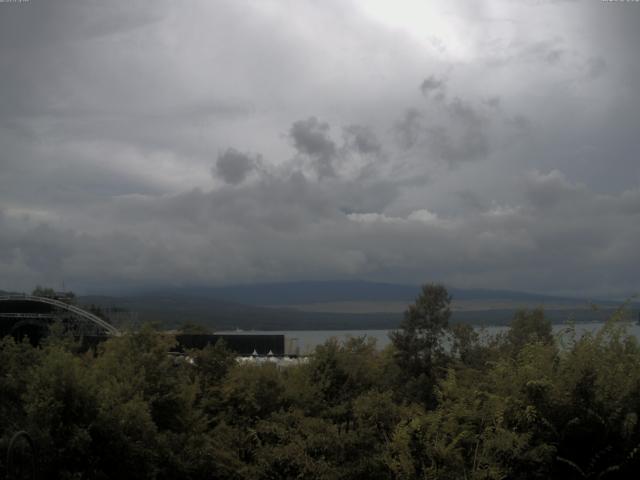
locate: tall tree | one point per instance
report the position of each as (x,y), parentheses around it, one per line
(529,327)
(418,341)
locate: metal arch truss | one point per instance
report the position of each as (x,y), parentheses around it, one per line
(108,328)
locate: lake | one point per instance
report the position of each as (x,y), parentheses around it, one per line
(308,340)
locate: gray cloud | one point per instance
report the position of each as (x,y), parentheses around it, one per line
(547,52)
(233,166)
(470,145)
(362,139)
(69,20)
(596,66)
(311,137)
(409,128)
(433,85)
(513,165)
(493,102)
(452,132)
(301,227)
(553,189)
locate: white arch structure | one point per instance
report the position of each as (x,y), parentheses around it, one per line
(108,328)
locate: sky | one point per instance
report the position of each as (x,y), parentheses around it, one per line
(485,143)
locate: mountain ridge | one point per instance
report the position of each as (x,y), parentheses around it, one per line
(292,293)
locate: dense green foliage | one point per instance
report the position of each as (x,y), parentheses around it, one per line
(440,402)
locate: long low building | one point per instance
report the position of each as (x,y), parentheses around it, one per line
(242,344)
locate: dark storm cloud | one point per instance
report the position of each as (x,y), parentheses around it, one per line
(362,139)
(311,137)
(473,201)
(493,101)
(409,128)
(470,145)
(553,189)
(39,37)
(301,228)
(433,85)
(233,166)
(42,23)
(450,131)
(501,151)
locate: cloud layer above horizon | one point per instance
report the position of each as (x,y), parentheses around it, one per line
(486,144)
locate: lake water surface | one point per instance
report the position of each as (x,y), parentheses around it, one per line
(308,340)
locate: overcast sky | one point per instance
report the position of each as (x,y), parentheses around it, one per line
(484,143)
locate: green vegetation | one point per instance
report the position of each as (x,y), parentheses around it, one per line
(40,291)
(441,402)
(67,297)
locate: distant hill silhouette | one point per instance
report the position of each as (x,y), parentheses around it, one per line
(173,309)
(294,293)
(288,306)
(266,306)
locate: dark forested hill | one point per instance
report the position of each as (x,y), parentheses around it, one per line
(175,309)
(318,292)
(329,305)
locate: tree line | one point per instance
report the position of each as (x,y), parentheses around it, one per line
(441,402)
